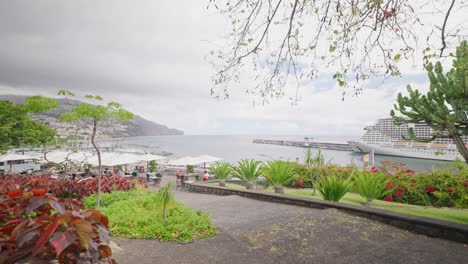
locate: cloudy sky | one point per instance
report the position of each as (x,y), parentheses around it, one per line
(149,56)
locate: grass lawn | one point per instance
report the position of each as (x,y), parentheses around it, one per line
(138,214)
(448,214)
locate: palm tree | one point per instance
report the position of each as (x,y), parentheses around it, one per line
(278,173)
(248,170)
(221,171)
(317,163)
(165,197)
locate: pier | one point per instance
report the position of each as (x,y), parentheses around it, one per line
(334,145)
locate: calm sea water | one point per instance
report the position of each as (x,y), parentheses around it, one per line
(233,148)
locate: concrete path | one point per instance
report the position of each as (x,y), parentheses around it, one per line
(253,231)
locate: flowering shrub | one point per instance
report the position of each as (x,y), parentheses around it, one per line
(442,188)
(37,227)
(78,189)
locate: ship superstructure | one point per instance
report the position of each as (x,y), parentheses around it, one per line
(386,138)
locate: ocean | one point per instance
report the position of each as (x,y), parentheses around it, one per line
(235,147)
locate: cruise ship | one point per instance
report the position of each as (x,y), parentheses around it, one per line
(385,138)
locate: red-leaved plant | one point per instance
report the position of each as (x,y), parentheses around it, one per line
(78,189)
(36,227)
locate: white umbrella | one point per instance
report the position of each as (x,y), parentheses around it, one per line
(185,161)
(208,158)
(57,156)
(11,157)
(150,157)
(81,156)
(114,159)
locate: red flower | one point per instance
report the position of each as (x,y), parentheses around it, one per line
(389,186)
(373,169)
(430,189)
(411,185)
(466,184)
(399,193)
(39,192)
(449,189)
(299,184)
(409,171)
(15,193)
(388,199)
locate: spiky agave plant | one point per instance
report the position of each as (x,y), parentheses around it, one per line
(333,188)
(278,173)
(221,171)
(248,170)
(165,197)
(369,186)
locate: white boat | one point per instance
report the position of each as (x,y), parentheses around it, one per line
(385,138)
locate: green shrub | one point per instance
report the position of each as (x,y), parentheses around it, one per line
(247,170)
(139,214)
(370,186)
(279,173)
(439,188)
(109,198)
(333,188)
(221,171)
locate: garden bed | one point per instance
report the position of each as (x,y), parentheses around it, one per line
(138,214)
(447,214)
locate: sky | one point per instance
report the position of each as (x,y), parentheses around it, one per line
(150,57)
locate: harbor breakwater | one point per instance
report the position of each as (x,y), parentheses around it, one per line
(334,145)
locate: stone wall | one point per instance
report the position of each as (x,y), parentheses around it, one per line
(420,225)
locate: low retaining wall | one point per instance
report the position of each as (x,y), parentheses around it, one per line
(420,225)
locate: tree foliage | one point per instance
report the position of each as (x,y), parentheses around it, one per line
(18,129)
(445,106)
(95,113)
(355,40)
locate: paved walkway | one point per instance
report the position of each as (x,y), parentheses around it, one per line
(253,231)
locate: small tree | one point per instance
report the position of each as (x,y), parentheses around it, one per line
(315,166)
(248,170)
(96,114)
(165,197)
(445,107)
(152,166)
(221,171)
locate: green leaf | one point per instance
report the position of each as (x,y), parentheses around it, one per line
(341,83)
(84,230)
(397,56)
(332,48)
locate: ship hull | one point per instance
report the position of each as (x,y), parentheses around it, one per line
(409,152)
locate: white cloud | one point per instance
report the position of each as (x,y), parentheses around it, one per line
(149,56)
